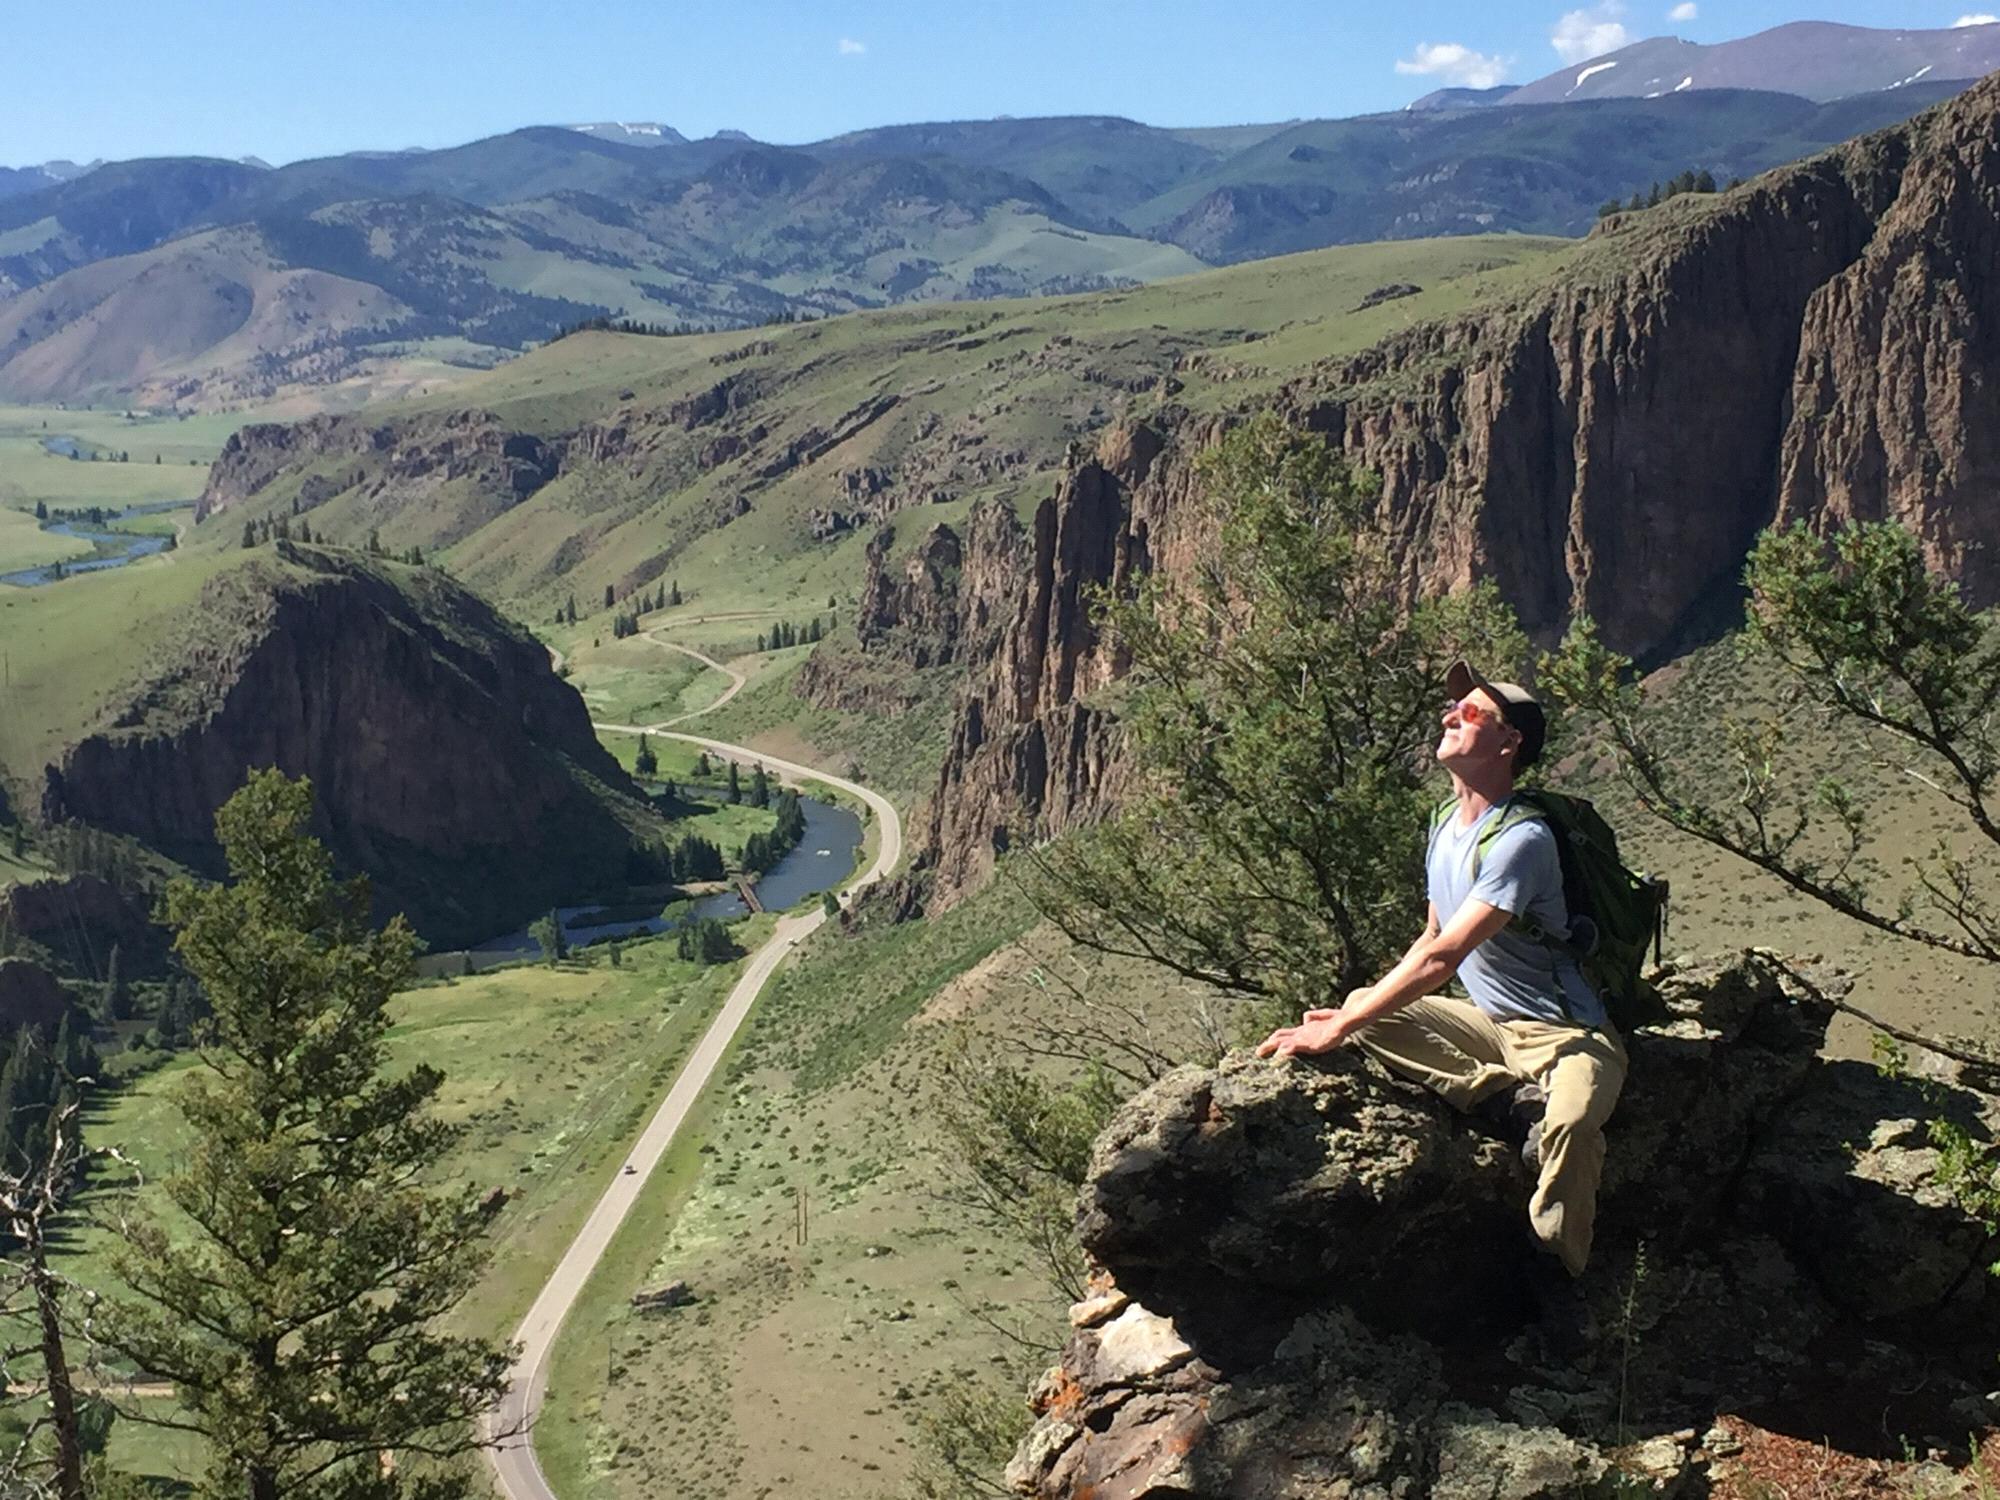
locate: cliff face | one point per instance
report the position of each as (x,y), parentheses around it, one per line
(458,445)
(1028,758)
(448,760)
(1822,343)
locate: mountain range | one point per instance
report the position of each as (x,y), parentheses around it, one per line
(201,282)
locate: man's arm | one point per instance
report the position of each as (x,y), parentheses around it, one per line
(1432,959)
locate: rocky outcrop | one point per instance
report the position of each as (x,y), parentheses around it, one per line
(1818,344)
(30,996)
(469,445)
(909,611)
(78,919)
(1029,757)
(906,624)
(448,760)
(1313,1273)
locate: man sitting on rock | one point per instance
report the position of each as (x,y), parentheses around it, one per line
(1534,1034)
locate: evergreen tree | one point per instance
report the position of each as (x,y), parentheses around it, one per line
(760,642)
(297,1303)
(735,784)
(117,994)
(645,762)
(674,594)
(249,535)
(547,931)
(41,510)
(701,765)
(571,611)
(1704,181)
(760,788)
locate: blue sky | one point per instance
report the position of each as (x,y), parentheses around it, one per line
(284,79)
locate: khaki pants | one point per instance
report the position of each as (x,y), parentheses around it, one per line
(1455,1048)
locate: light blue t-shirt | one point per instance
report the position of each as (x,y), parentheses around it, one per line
(1511,976)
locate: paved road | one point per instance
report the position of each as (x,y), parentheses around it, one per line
(514,1464)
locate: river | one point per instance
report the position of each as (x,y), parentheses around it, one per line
(128,545)
(824,857)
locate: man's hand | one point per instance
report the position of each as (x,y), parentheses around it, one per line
(1320,1031)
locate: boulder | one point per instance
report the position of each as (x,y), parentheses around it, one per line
(1316,1279)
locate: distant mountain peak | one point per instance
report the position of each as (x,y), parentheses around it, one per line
(1817,60)
(633,132)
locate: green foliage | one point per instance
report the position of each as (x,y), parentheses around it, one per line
(547,931)
(1019,1144)
(1876,650)
(296,1302)
(646,763)
(707,941)
(829,902)
(1284,709)
(965,1437)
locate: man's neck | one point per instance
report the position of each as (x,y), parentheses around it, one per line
(1479,792)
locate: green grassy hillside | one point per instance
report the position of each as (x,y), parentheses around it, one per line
(973,402)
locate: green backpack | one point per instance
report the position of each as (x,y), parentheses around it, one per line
(1615,913)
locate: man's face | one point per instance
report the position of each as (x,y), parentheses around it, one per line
(1475,734)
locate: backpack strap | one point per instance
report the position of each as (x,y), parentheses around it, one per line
(1513,815)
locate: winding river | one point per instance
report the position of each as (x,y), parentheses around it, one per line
(114,548)
(822,860)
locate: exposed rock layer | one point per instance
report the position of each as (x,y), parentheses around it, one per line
(440,744)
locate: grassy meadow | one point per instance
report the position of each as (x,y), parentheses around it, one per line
(551,1071)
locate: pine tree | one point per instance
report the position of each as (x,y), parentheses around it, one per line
(547,931)
(41,510)
(572,609)
(760,788)
(645,762)
(297,1303)
(674,594)
(735,784)
(249,535)
(701,765)
(117,994)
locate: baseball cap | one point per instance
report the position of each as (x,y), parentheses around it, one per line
(1519,707)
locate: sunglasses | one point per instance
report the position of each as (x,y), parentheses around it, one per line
(1471,711)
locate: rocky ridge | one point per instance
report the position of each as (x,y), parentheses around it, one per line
(1817,344)
(1312,1276)
(438,739)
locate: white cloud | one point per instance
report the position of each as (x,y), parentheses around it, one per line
(1687,10)
(851,48)
(1977,20)
(1455,64)
(1584,34)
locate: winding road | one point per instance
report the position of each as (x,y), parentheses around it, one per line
(513,1459)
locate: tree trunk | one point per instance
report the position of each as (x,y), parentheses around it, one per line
(55,1361)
